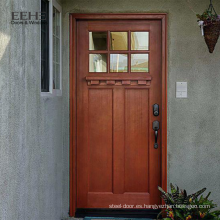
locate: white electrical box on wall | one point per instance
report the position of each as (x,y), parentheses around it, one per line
(181,89)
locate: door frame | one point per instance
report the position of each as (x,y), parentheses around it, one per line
(72,65)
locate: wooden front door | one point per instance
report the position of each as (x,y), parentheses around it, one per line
(118,80)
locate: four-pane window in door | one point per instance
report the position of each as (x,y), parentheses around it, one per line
(119,52)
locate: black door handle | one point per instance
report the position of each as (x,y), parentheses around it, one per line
(156,127)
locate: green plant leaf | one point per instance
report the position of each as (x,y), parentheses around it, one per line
(208,195)
(161,214)
(195,195)
(217,213)
(167,196)
(173,189)
(178,214)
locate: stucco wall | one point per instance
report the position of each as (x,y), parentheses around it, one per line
(193,123)
(33,129)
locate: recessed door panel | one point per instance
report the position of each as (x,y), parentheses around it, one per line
(100,140)
(136,140)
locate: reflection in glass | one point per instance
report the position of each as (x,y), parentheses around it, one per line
(139,40)
(118,62)
(97,40)
(119,41)
(139,62)
(97,62)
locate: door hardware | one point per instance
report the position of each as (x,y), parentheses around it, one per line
(156,127)
(156,109)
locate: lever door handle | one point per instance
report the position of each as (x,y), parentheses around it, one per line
(156,144)
(156,127)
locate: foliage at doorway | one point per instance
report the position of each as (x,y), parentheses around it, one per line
(208,17)
(181,206)
(209,22)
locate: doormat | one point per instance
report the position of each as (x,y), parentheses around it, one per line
(112,218)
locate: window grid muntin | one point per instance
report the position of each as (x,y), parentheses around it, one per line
(129,52)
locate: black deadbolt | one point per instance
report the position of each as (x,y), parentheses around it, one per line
(156,109)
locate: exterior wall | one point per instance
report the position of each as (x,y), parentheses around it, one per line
(193,123)
(33,129)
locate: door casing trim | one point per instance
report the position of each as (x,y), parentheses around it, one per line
(72,76)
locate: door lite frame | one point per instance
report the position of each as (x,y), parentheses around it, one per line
(73,42)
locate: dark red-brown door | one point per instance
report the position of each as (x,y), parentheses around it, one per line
(118,82)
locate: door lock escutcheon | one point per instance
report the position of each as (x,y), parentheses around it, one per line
(156,127)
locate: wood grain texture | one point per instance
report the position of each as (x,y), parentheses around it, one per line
(118,82)
(104,200)
(100,140)
(136,140)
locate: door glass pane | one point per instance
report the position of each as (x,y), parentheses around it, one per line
(118,62)
(97,62)
(139,62)
(119,41)
(97,40)
(139,40)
